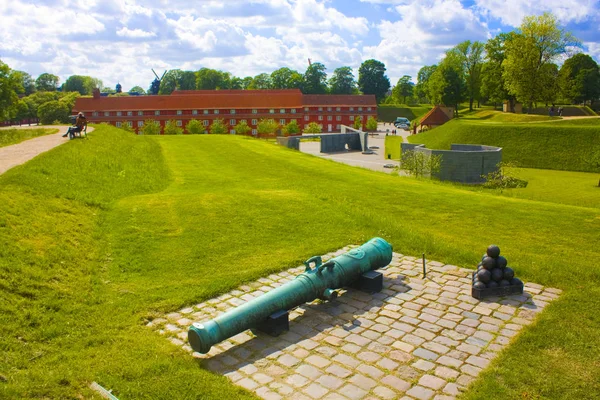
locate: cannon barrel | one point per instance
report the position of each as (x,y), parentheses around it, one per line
(318,282)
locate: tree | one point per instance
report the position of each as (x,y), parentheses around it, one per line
(211,79)
(313,127)
(446,85)
(285,78)
(267,127)
(27,82)
(492,81)
(403,89)
(372,79)
(47,82)
(170,82)
(342,81)
(469,56)
(242,128)
(53,111)
(315,79)
(260,82)
(548,77)
(421,88)
(171,128)
(10,86)
(82,84)
(151,127)
(218,127)
(108,90)
(187,80)
(539,41)
(371,124)
(579,79)
(357,124)
(292,128)
(127,126)
(137,89)
(246,82)
(195,127)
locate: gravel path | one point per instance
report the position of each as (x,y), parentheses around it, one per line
(20,153)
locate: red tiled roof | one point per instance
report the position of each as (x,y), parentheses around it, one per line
(260,92)
(434,117)
(339,100)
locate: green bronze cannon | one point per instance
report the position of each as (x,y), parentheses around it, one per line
(354,268)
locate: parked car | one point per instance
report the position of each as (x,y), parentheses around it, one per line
(402,123)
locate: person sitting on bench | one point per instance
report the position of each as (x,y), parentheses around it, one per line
(80,124)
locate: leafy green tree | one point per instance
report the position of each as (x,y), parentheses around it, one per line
(285,78)
(47,82)
(27,82)
(548,77)
(137,89)
(52,111)
(187,80)
(371,124)
(151,127)
(492,81)
(292,128)
(242,128)
(218,127)
(342,81)
(127,126)
(195,127)
(421,88)
(315,79)
(446,85)
(246,82)
(236,83)
(171,128)
(211,79)
(372,79)
(539,41)
(169,82)
(267,126)
(403,89)
(26,109)
(10,87)
(82,84)
(108,90)
(260,82)
(469,57)
(357,124)
(313,127)
(579,79)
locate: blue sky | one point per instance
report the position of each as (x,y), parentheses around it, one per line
(121,40)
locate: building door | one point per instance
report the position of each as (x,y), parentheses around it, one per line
(329,128)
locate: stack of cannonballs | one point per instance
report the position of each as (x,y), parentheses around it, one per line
(494,276)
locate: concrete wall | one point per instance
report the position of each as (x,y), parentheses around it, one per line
(330,142)
(464,162)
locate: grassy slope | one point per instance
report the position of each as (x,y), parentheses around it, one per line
(13,136)
(498,116)
(558,145)
(237,209)
(389,113)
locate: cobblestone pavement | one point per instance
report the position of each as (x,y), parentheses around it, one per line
(417,339)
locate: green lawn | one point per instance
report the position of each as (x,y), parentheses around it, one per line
(13,136)
(144,225)
(499,116)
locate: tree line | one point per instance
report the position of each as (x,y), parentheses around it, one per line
(518,66)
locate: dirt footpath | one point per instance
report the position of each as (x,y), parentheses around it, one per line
(20,153)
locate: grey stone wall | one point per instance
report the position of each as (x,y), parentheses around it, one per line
(464,163)
(330,142)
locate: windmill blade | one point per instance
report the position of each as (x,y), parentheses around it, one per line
(155,74)
(163,75)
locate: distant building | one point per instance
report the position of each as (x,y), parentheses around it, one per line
(233,106)
(437,116)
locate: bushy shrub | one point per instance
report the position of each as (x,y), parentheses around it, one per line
(52,111)
(291,129)
(503,178)
(419,164)
(242,128)
(195,127)
(313,127)
(267,127)
(171,128)
(151,127)
(218,127)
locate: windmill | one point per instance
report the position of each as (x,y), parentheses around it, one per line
(155,86)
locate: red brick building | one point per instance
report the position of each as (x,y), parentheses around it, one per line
(233,106)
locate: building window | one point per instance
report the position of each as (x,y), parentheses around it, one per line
(205,122)
(156,112)
(232,122)
(320,118)
(351,108)
(338,118)
(216,111)
(320,108)
(359,108)
(293,110)
(194,112)
(271,111)
(338,109)
(368,108)
(106,113)
(254,111)
(328,108)
(282,111)
(243,121)
(118,124)
(329,118)
(95,114)
(254,131)
(337,126)
(140,113)
(129,113)
(232,131)
(282,121)
(231,111)
(352,118)
(140,124)
(306,117)
(179,123)
(254,122)
(306,109)
(119,113)
(205,112)
(179,112)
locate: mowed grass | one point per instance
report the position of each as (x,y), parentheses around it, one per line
(389,113)
(14,136)
(499,116)
(560,145)
(146,225)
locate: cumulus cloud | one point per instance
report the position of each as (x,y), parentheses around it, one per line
(134,33)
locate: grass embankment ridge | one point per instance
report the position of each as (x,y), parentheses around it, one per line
(560,145)
(14,136)
(389,113)
(85,267)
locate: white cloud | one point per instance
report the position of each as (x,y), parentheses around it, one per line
(134,33)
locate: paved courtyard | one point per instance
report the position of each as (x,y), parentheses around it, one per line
(417,339)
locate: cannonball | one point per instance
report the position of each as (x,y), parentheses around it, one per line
(504,283)
(497,274)
(479,285)
(479,266)
(484,256)
(508,273)
(516,282)
(501,262)
(493,251)
(489,263)
(492,284)
(484,275)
